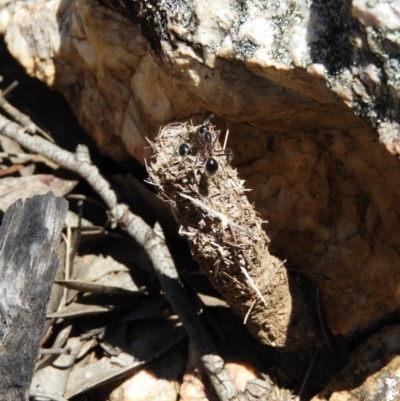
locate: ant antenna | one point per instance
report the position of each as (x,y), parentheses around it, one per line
(208,119)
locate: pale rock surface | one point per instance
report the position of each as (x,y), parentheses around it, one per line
(161,383)
(308,88)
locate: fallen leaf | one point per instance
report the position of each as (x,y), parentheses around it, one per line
(13,188)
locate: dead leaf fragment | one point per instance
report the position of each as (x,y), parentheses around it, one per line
(13,188)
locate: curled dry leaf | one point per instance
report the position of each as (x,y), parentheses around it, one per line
(225,236)
(92,304)
(116,287)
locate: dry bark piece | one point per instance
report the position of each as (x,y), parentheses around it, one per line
(30,235)
(226,238)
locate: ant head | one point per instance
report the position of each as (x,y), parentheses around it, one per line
(204,130)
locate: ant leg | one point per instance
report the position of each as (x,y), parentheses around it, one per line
(217,134)
(227,152)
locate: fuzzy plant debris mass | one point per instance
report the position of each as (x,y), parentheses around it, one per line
(225,232)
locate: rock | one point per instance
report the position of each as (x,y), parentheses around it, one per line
(161,383)
(308,88)
(372,372)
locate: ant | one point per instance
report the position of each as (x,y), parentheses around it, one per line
(203,143)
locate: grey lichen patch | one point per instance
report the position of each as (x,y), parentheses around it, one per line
(261,4)
(392,69)
(392,42)
(226,238)
(348,50)
(241,16)
(284,21)
(178,10)
(177,18)
(244,49)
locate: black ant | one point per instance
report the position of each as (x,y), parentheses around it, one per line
(202,143)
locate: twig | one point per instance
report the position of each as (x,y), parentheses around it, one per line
(76,236)
(226,139)
(251,282)
(10,170)
(249,311)
(305,380)
(322,323)
(22,119)
(66,240)
(153,243)
(54,351)
(9,88)
(213,363)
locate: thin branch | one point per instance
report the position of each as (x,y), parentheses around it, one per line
(9,88)
(54,351)
(76,236)
(22,119)
(249,311)
(321,322)
(306,377)
(252,284)
(213,363)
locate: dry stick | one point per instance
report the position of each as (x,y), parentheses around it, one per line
(321,322)
(153,243)
(22,119)
(249,311)
(303,385)
(9,88)
(252,284)
(76,238)
(55,351)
